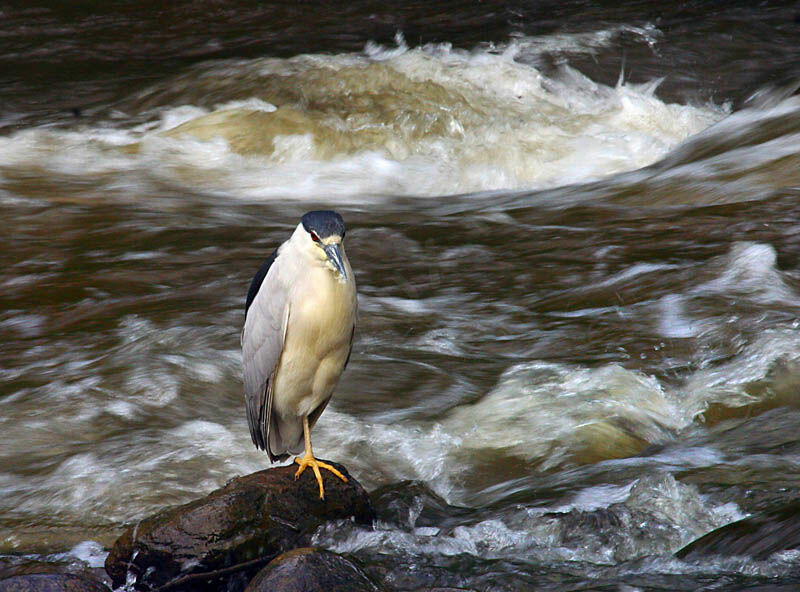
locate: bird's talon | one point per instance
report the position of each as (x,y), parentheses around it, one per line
(309,461)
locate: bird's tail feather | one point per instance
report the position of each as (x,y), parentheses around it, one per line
(285,438)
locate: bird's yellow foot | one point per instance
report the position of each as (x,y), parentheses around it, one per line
(309,460)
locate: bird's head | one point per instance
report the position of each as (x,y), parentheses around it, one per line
(324,233)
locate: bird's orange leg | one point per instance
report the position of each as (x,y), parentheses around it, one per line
(309,460)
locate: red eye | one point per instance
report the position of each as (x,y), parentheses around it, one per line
(314,237)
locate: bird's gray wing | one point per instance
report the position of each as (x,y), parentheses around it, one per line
(264,332)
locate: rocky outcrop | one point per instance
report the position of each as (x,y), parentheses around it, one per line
(51,582)
(312,570)
(19,573)
(234,531)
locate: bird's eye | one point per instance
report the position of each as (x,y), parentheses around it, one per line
(314,237)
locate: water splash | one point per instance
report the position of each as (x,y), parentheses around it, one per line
(426,121)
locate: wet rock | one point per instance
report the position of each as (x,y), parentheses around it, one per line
(24,573)
(446,589)
(312,570)
(51,582)
(758,536)
(237,528)
(21,566)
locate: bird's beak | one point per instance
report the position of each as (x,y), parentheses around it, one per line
(335,256)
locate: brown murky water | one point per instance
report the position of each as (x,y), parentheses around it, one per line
(578,345)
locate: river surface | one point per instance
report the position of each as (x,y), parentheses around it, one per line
(575,229)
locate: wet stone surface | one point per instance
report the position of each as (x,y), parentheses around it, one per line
(312,570)
(51,582)
(19,574)
(249,521)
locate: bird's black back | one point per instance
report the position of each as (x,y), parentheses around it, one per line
(258,279)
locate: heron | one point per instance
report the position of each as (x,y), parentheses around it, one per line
(300,320)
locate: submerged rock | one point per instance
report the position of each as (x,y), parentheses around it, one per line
(249,521)
(51,582)
(311,570)
(20,573)
(11,565)
(758,536)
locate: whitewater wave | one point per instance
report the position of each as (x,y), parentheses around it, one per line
(422,121)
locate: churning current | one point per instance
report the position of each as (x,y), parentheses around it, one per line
(575,236)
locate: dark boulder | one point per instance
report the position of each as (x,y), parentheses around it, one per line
(757,536)
(447,589)
(233,531)
(51,582)
(19,565)
(20,573)
(311,570)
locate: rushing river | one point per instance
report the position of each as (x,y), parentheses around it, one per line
(575,230)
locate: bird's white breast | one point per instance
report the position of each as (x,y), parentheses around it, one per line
(321,319)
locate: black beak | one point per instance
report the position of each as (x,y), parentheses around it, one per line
(335,256)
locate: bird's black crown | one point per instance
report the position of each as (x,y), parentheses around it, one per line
(324,222)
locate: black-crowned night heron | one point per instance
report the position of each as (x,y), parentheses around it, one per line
(300,318)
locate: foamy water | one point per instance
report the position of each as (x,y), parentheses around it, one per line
(420,121)
(546,415)
(578,337)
